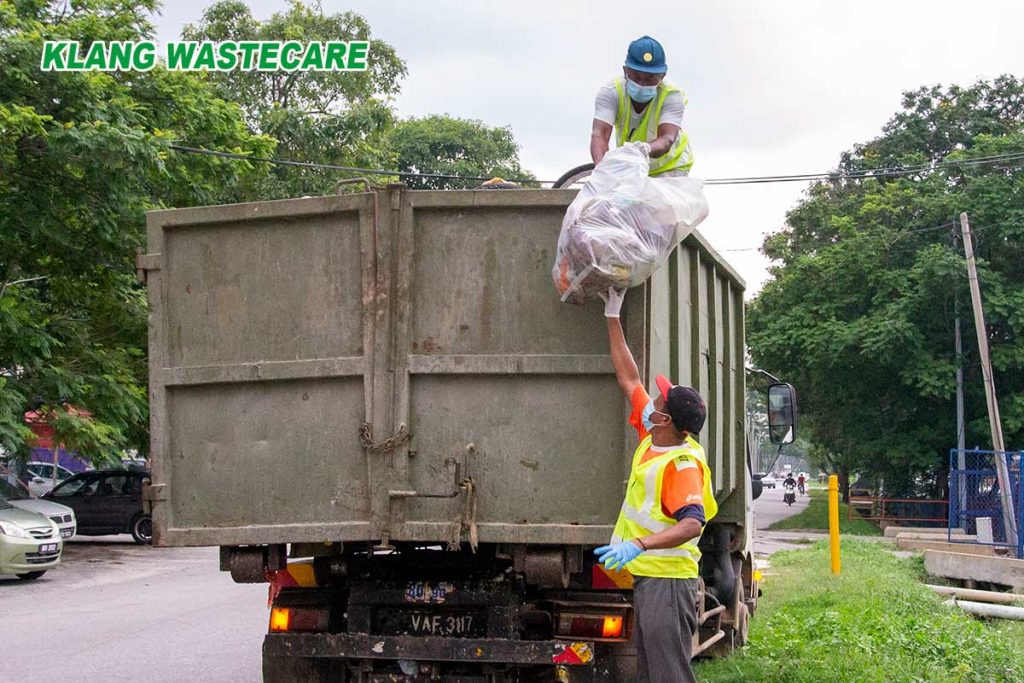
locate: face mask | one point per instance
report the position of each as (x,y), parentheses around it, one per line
(641,93)
(646,417)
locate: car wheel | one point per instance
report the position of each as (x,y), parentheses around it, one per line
(31,576)
(142,529)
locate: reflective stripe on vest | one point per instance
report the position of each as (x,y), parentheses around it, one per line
(679,156)
(641,513)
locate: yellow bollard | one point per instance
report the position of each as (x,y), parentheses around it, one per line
(833,521)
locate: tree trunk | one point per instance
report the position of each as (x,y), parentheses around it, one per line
(844,483)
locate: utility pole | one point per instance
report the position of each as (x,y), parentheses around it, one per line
(961,436)
(995,425)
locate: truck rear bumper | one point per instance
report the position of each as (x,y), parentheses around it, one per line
(438,649)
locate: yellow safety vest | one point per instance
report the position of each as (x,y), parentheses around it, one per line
(641,514)
(679,156)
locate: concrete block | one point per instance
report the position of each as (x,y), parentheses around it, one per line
(941,536)
(891,531)
(933,544)
(1002,570)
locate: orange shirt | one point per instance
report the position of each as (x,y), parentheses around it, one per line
(679,488)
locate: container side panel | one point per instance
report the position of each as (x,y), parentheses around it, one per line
(687,316)
(267,453)
(481,284)
(268,290)
(496,361)
(661,332)
(261,375)
(542,451)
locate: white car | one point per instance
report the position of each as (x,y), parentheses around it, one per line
(62,515)
(768,480)
(40,477)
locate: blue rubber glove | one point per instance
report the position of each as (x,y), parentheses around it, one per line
(618,554)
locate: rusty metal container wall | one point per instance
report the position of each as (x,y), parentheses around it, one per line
(277,329)
(696,337)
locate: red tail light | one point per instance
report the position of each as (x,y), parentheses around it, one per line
(298,619)
(594,626)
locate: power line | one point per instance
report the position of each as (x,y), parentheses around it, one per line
(887,172)
(334,167)
(944,226)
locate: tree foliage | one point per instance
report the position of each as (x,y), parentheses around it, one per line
(444,145)
(82,157)
(860,309)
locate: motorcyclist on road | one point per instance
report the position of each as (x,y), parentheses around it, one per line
(790,481)
(800,485)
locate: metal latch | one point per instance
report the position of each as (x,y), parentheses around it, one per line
(152,493)
(144,263)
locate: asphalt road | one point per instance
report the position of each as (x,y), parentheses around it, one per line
(114,611)
(769,508)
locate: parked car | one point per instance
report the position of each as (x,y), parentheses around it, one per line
(39,476)
(62,515)
(29,542)
(107,502)
(768,480)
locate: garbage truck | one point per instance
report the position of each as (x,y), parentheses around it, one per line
(376,403)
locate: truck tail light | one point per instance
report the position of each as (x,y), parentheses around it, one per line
(294,619)
(593,626)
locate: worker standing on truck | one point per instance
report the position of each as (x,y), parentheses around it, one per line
(668,501)
(643,108)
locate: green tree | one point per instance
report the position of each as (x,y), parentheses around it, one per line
(82,157)
(860,307)
(338,118)
(448,146)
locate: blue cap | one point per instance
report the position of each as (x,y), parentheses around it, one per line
(646,54)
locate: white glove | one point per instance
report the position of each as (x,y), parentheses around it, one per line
(644,147)
(612,301)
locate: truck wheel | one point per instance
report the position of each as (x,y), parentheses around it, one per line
(142,528)
(31,576)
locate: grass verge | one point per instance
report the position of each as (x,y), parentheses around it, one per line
(815,517)
(874,623)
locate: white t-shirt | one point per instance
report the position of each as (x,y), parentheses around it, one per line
(606,108)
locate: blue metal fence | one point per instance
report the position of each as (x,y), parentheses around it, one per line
(975,498)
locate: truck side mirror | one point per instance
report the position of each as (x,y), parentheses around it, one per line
(781,413)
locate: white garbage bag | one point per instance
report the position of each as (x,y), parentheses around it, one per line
(623,225)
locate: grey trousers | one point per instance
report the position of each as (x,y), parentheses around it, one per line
(665,613)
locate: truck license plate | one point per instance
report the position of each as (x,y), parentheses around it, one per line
(423,624)
(48,548)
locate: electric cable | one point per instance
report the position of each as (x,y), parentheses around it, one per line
(1016,157)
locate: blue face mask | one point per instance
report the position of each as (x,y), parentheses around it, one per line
(641,93)
(646,417)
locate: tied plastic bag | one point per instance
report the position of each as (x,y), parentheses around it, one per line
(623,225)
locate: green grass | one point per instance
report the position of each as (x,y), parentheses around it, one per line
(874,623)
(815,518)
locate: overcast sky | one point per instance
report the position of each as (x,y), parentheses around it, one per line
(773,87)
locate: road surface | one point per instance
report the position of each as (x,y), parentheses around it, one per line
(769,509)
(114,611)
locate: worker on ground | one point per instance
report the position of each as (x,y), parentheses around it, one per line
(641,107)
(668,501)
